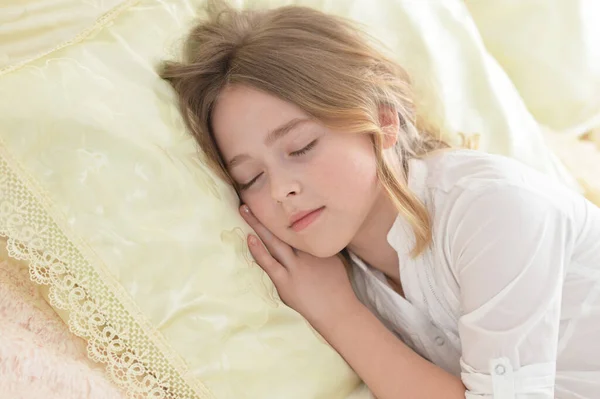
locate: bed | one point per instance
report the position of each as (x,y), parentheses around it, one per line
(103,194)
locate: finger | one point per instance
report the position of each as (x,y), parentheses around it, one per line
(279,249)
(268,263)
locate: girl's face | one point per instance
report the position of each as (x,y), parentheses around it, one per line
(288,165)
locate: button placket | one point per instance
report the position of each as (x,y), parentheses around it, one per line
(503,382)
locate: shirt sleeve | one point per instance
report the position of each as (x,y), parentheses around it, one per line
(509,247)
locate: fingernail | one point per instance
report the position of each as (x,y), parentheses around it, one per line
(252,240)
(245,209)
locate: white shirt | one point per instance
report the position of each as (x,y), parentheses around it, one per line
(507,296)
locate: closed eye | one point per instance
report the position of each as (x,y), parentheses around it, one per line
(246,186)
(304,150)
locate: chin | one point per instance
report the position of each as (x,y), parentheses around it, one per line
(321,243)
(325,251)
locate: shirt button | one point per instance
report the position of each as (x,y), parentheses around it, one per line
(500,369)
(439,341)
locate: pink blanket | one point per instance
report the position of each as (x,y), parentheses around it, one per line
(39,357)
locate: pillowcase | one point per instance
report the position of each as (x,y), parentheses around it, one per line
(32,28)
(581,157)
(105,194)
(551,52)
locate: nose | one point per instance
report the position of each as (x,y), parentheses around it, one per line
(283,187)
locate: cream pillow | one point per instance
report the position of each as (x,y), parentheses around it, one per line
(104,193)
(551,51)
(31,28)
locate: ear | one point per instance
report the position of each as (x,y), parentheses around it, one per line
(390,125)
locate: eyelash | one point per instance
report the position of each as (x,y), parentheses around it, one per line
(246,186)
(303,151)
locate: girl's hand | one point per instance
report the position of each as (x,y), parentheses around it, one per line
(317,288)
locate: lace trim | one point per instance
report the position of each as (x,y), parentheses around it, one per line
(102,21)
(137,357)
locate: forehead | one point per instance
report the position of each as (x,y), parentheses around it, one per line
(244,114)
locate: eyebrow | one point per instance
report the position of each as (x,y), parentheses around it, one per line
(272,137)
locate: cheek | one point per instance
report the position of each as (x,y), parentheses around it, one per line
(349,171)
(257,204)
(262,207)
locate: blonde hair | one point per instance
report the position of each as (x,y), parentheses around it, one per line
(323,64)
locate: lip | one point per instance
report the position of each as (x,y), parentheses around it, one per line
(301,220)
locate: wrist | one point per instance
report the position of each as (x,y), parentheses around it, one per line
(341,318)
